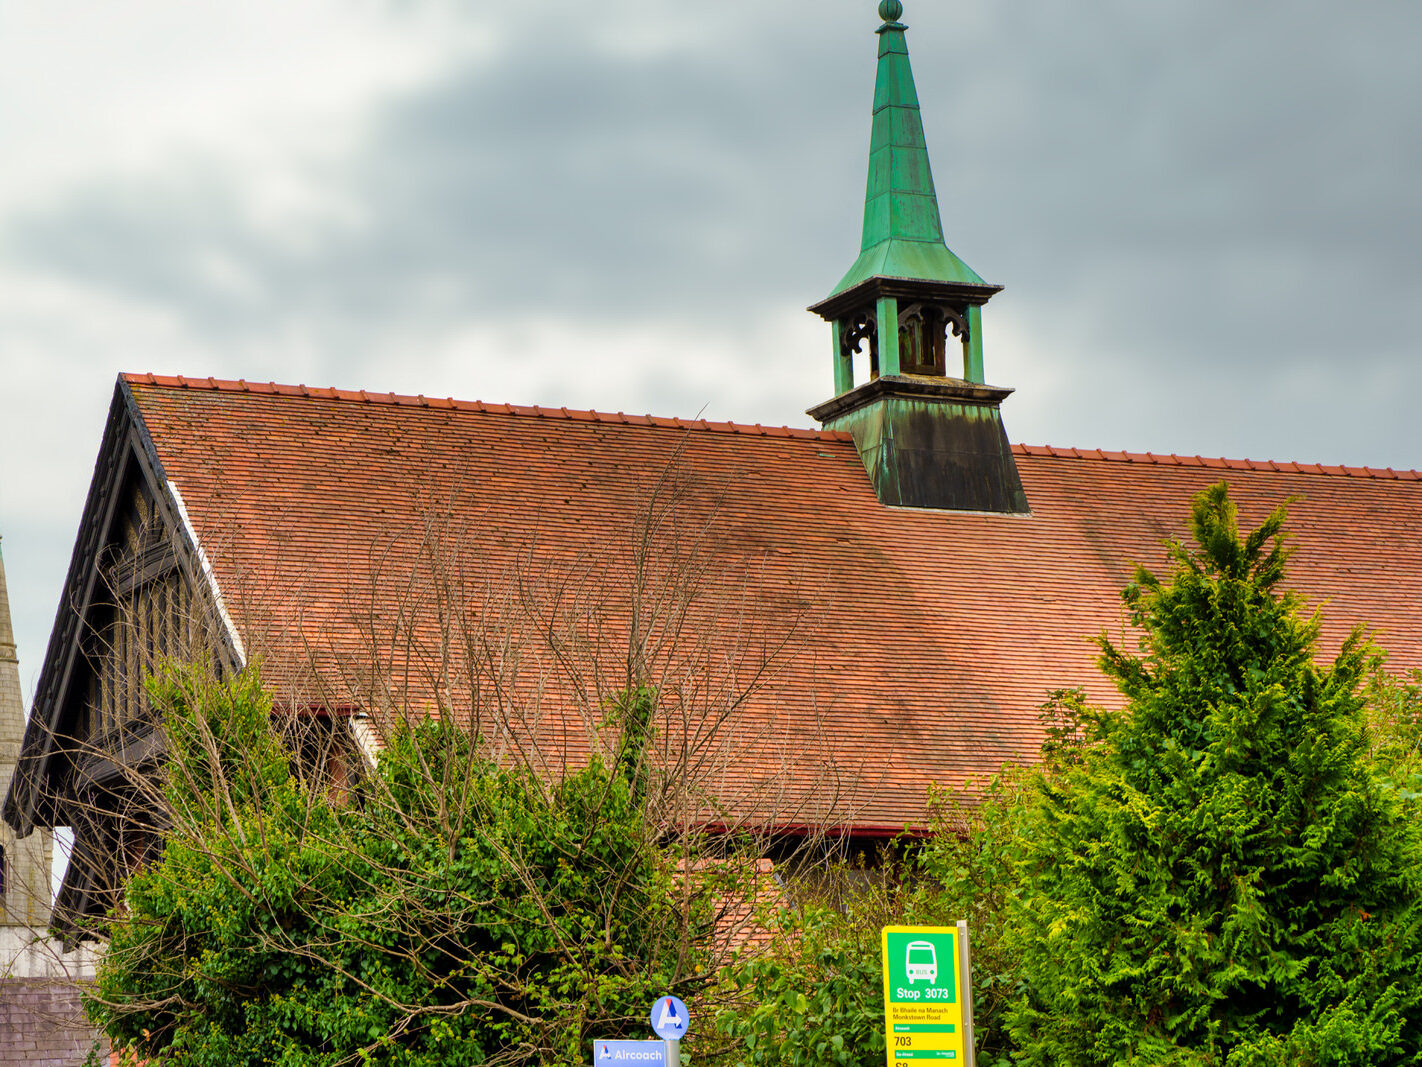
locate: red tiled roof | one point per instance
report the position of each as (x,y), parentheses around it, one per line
(901,646)
(451,404)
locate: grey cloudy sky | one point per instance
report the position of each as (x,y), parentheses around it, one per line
(1206,214)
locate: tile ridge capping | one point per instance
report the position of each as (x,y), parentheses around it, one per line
(1220,463)
(363,396)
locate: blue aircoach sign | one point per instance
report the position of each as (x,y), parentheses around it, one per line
(632,1053)
(670,1019)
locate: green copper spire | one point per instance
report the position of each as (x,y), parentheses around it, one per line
(927,437)
(903,234)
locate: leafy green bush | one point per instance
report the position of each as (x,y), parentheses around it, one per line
(1394,711)
(815,993)
(816,997)
(448,911)
(965,871)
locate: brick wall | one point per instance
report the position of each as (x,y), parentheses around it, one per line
(42,1025)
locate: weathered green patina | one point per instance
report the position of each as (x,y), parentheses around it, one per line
(906,276)
(929,443)
(903,231)
(929,435)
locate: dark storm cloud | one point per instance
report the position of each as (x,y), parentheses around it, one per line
(612,183)
(1207,214)
(1205,201)
(551,176)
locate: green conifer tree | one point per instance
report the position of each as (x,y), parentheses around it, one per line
(1219,873)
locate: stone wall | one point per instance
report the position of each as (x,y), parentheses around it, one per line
(24,864)
(41,1021)
(42,1024)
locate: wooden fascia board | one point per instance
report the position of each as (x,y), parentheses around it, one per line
(126,444)
(60,655)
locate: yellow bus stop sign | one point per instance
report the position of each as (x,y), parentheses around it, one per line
(927,994)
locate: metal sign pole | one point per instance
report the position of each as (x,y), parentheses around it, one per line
(674,1053)
(970,1052)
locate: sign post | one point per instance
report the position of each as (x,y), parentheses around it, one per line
(928,994)
(669,1019)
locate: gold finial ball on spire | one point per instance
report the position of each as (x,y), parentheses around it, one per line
(890,10)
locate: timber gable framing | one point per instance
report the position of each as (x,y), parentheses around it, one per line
(136,591)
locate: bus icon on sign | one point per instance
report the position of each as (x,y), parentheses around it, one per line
(921,961)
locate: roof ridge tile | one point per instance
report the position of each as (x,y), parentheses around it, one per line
(242,385)
(1286,466)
